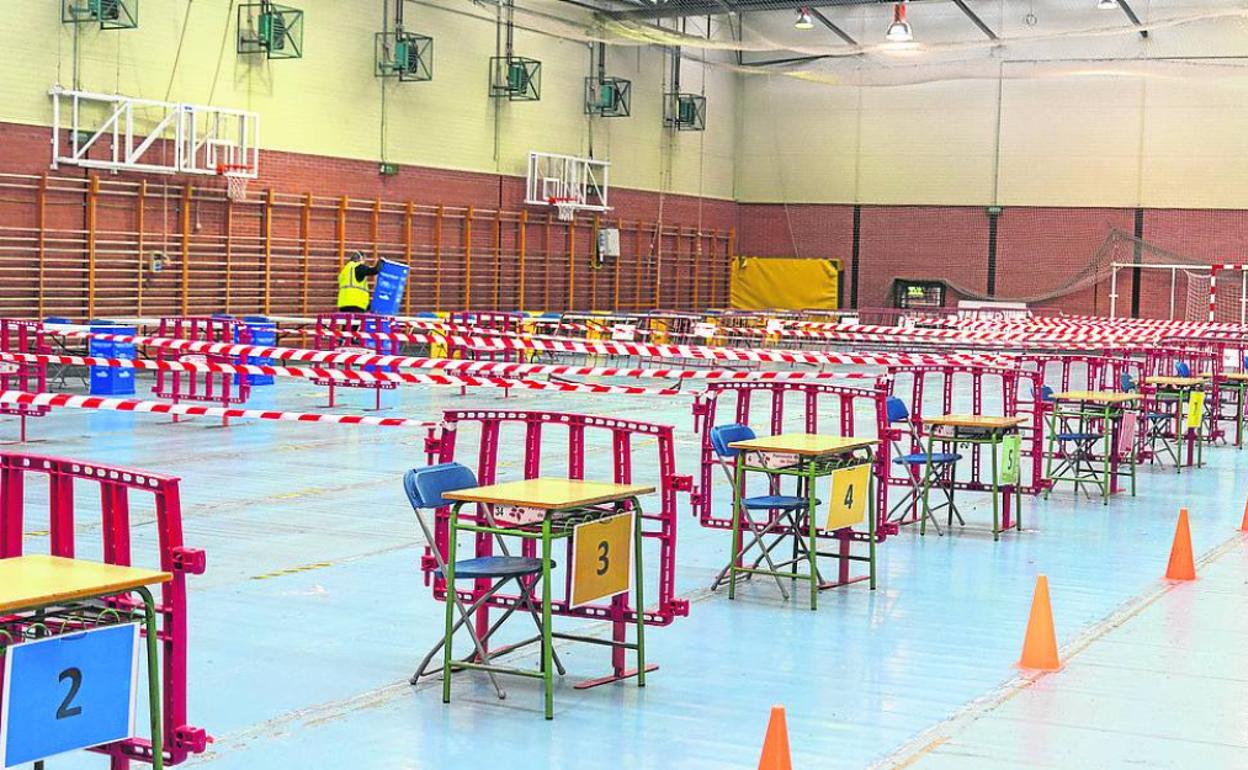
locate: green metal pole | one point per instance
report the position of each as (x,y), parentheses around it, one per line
(871,518)
(927,485)
(811,553)
(639,574)
(738,493)
(153,678)
(995,443)
(448,632)
(548,676)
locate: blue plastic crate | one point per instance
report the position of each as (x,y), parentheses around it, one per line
(263,332)
(106,380)
(389,288)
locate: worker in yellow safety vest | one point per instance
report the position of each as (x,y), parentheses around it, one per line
(353,292)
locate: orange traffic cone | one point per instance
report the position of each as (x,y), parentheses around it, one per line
(1040,645)
(776,744)
(1181,566)
(1243,524)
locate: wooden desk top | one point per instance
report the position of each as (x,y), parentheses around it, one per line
(1235,376)
(804,444)
(1097,396)
(1175,382)
(975,421)
(551,494)
(32,581)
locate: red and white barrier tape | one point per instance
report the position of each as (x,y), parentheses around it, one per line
(502,344)
(68,401)
(344,376)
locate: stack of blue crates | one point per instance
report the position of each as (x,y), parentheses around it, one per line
(389,288)
(263,332)
(108,380)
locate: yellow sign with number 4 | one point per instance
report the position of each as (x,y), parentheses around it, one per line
(850,487)
(602,558)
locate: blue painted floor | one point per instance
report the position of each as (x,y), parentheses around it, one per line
(310,669)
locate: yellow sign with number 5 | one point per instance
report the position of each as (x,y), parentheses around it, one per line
(850,487)
(602,558)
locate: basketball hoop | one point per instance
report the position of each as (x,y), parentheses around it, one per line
(566,208)
(236,179)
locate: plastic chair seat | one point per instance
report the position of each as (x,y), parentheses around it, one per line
(920,458)
(497,567)
(1079,436)
(1159,416)
(775,501)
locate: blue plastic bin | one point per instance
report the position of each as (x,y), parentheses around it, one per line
(107,380)
(262,332)
(389,288)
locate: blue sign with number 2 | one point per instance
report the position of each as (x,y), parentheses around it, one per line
(68,692)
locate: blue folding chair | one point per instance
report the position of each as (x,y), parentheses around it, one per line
(782,509)
(1074,450)
(425,488)
(1181,369)
(935,470)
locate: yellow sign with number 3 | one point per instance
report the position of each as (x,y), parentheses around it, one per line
(850,487)
(602,558)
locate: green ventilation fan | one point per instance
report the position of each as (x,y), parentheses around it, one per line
(109,14)
(685,112)
(404,55)
(273,30)
(608,97)
(515,78)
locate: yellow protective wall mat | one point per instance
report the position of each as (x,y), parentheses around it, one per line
(785,283)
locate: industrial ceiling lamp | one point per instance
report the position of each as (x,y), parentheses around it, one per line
(803,19)
(899,31)
(1107,5)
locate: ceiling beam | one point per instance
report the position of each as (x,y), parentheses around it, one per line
(1130,12)
(672,8)
(978,22)
(825,21)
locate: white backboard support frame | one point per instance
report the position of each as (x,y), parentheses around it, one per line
(152,136)
(581,182)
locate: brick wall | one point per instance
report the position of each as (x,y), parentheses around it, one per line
(270,252)
(1039,250)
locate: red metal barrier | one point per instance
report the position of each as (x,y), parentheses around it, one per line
(115,485)
(334,331)
(499,322)
(18,336)
(580,431)
(848,405)
(1076,371)
(931,390)
(206,387)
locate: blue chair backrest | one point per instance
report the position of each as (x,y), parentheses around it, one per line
(1046,393)
(723,435)
(425,486)
(895,409)
(1182,369)
(1126,383)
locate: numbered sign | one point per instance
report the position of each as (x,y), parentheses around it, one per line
(1195,409)
(850,487)
(68,692)
(602,558)
(1127,433)
(1011,449)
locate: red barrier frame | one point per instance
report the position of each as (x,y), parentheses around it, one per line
(116,484)
(815,396)
(20,336)
(658,525)
(203,387)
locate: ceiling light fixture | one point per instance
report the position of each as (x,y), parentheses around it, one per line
(803,19)
(1107,5)
(899,31)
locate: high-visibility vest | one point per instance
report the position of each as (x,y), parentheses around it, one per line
(351,292)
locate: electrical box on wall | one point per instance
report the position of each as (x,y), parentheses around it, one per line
(273,30)
(684,112)
(608,243)
(109,14)
(404,55)
(515,78)
(608,97)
